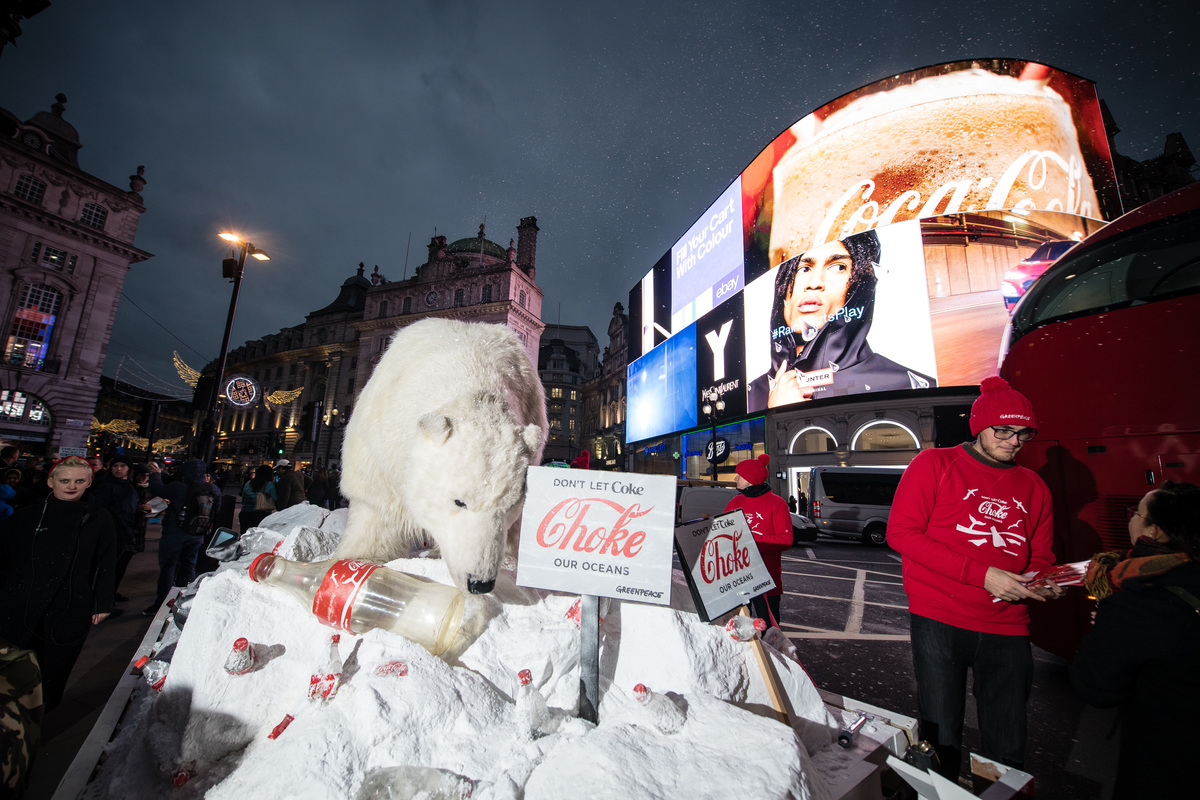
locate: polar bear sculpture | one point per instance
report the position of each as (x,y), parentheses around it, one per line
(438,444)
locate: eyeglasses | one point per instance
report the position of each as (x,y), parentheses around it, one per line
(1131,512)
(1023,435)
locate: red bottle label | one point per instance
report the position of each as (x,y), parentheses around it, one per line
(338,590)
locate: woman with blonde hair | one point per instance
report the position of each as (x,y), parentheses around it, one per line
(57,561)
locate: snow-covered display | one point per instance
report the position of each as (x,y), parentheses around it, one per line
(684,710)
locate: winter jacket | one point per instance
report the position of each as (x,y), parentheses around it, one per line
(289,489)
(954,517)
(120,499)
(771,523)
(1143,654)
(57,562)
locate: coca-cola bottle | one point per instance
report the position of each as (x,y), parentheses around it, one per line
(533,717)
(358,596)
(324,683)
(665,715)
(743,629)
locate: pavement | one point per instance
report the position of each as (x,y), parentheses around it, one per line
(106,654)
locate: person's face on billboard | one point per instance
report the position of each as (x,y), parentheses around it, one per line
(822,280)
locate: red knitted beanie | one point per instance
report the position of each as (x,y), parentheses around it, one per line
(1000,404)
(754,470)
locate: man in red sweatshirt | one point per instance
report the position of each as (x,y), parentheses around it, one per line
(770,523)
(969,522)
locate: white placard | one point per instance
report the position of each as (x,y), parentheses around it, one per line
(723,563)
(600,533)
(72,451)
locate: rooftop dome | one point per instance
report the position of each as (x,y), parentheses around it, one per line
(474,244)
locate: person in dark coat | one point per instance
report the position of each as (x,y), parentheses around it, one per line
(289,485)
(1143,652)
(57,560)
(119,497)
(822,312)
(177,550)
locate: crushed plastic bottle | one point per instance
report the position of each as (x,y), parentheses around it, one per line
(533,717)
(155,673)
(358,596)
(281,727)
(743,629)
(241,657)
(324,683)
(411,782)
(779,640)
(665,715)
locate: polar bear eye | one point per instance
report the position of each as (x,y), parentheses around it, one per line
(460,504)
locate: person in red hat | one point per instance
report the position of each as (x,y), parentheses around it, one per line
(769,521)
(968,522)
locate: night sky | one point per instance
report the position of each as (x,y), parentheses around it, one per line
(329,133)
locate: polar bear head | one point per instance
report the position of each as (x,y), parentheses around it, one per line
(466,483)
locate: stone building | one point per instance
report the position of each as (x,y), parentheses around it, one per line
(604,400)
(309,375)
(473,280)
(1140,182)
(568,358)
(66,243)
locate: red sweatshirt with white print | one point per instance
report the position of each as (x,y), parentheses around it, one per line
(953,517)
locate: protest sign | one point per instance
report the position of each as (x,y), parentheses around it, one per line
(607,534)
(722,563)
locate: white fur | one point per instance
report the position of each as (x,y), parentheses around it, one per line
(454,411)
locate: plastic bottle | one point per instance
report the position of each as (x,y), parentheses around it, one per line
(533,717)
(241,658)
(665,715)
(403,783)
(743,629)
(323,684)
(358,596)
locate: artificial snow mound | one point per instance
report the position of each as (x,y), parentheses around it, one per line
(457,713)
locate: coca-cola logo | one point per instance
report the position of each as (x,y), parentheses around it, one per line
(334,598)
(723,555)
(1044,171)
(593,525)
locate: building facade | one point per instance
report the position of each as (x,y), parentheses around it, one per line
(66,244)
(473,280)
(568,358)
(604,400)
(308,376)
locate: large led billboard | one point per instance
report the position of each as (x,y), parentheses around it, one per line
(837,281)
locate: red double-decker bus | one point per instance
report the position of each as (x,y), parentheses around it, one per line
(1106,344)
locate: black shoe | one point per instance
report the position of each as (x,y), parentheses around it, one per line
(120,598)
(150,611)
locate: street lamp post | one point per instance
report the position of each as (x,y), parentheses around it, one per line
(332,423)
(712,408)
(231,269)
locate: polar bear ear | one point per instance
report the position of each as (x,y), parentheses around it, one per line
(436,427)
(532,435)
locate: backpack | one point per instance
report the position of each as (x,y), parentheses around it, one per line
(197,516)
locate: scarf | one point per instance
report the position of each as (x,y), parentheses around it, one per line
(1106,572)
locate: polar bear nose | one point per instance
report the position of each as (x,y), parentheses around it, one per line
(480,587)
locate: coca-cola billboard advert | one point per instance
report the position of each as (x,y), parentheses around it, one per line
(722,563)
(845,285)
(602,534)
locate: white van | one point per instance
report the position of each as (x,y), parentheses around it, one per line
(701,499)
(853,502)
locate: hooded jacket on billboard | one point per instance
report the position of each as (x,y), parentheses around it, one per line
(839,345)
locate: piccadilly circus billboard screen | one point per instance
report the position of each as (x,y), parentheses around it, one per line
(817,272)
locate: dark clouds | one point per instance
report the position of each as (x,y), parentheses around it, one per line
(328,133)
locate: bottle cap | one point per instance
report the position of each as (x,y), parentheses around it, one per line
(641,692)
(525,677)
(254,565)
(241,644)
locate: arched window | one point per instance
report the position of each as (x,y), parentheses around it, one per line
(884,434)
(30,189)
(32,326)
(813,440)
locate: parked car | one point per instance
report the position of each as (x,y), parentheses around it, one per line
(703,499)
(1018,279)
(853,502)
